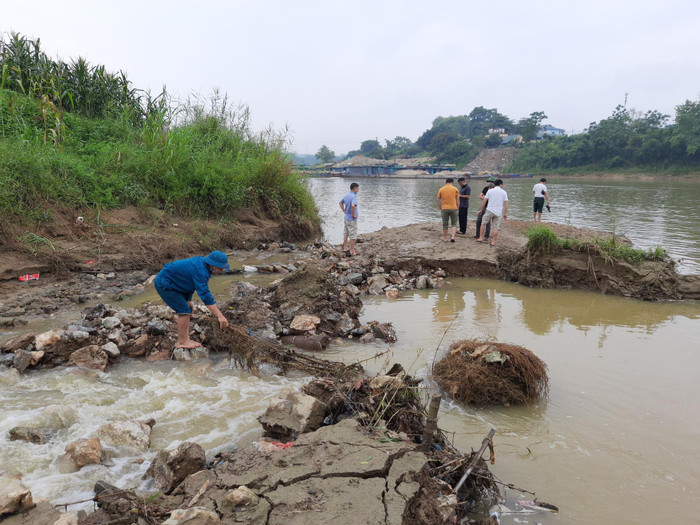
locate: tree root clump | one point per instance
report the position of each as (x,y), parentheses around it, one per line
(482,373)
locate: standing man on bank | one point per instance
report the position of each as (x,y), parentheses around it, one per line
(349,206)
(539,190)
(464,193)
(176,284)
(480,213)
(496,203)
(447,202)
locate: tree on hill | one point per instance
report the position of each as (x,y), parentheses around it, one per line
(686,135)
(325,154)
(458,126)
(399,147)
(493,141)
(529,126)
(482,119)
(372,148)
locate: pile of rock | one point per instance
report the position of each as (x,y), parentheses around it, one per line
(305,308)
(98,339)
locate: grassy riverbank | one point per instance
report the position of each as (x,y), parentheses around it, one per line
(73,136)
(211,165)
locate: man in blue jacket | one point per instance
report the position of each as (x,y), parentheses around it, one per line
(177,282)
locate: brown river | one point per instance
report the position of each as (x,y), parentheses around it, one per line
(617,441)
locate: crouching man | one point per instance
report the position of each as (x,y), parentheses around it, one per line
(177,282)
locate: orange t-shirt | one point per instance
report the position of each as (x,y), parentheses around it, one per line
(449,195)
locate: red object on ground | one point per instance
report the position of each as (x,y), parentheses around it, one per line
(281,446)
(28,277)
(91,261)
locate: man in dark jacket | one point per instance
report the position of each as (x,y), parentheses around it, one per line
(464,193)
(479,215)
(177,282)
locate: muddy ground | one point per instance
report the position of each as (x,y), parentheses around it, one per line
(129,239)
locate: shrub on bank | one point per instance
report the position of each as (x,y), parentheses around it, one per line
(541,239)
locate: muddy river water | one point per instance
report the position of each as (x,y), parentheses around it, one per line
(617,442)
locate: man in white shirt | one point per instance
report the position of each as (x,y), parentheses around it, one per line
(539,190)
(496,210)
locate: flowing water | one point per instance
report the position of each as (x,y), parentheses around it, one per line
(615,443)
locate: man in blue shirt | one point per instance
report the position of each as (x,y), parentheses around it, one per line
(177,282)
(349,206)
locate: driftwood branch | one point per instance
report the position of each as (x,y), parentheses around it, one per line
(476,458)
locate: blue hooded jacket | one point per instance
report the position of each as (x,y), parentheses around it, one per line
(187,276)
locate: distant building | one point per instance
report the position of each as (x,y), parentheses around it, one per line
(512,140)
(361,166)
(550,131)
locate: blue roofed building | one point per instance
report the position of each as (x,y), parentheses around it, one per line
(550,131)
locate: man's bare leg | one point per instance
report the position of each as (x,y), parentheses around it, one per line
(345,244)
(444,235)
(352,247)
(482,233)
(183,333)
(494,237)
(534,216)
(454,230)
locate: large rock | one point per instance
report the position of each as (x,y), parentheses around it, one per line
(171,467)
(304,323)
(17,343)
(193,516)
(14,497)
(239,497)
(92,357)
(293,415)
(346,324)
(85,451)
(24,359)
(377,283)
(111,322)
(135,434)
(38,436)
(111,349)
(422,282)
(47,340)
(355,278)
(21,360)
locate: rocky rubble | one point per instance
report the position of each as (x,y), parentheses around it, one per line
(333,469)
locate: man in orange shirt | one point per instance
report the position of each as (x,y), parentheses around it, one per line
(447,199)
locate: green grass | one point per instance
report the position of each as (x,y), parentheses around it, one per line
(73,135)
(208,165)
(542,239)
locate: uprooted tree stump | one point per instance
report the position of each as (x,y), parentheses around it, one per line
(483,373)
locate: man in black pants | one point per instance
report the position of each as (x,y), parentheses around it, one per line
(491,182)
(464,193)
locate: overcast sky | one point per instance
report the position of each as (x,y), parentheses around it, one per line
(338,72)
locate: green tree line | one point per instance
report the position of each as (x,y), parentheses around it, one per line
(455,139)
(626,139)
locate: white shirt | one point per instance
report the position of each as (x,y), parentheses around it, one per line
(496,196)
(539,189)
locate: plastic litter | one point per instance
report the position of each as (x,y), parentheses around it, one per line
(28,277)
(250,269)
